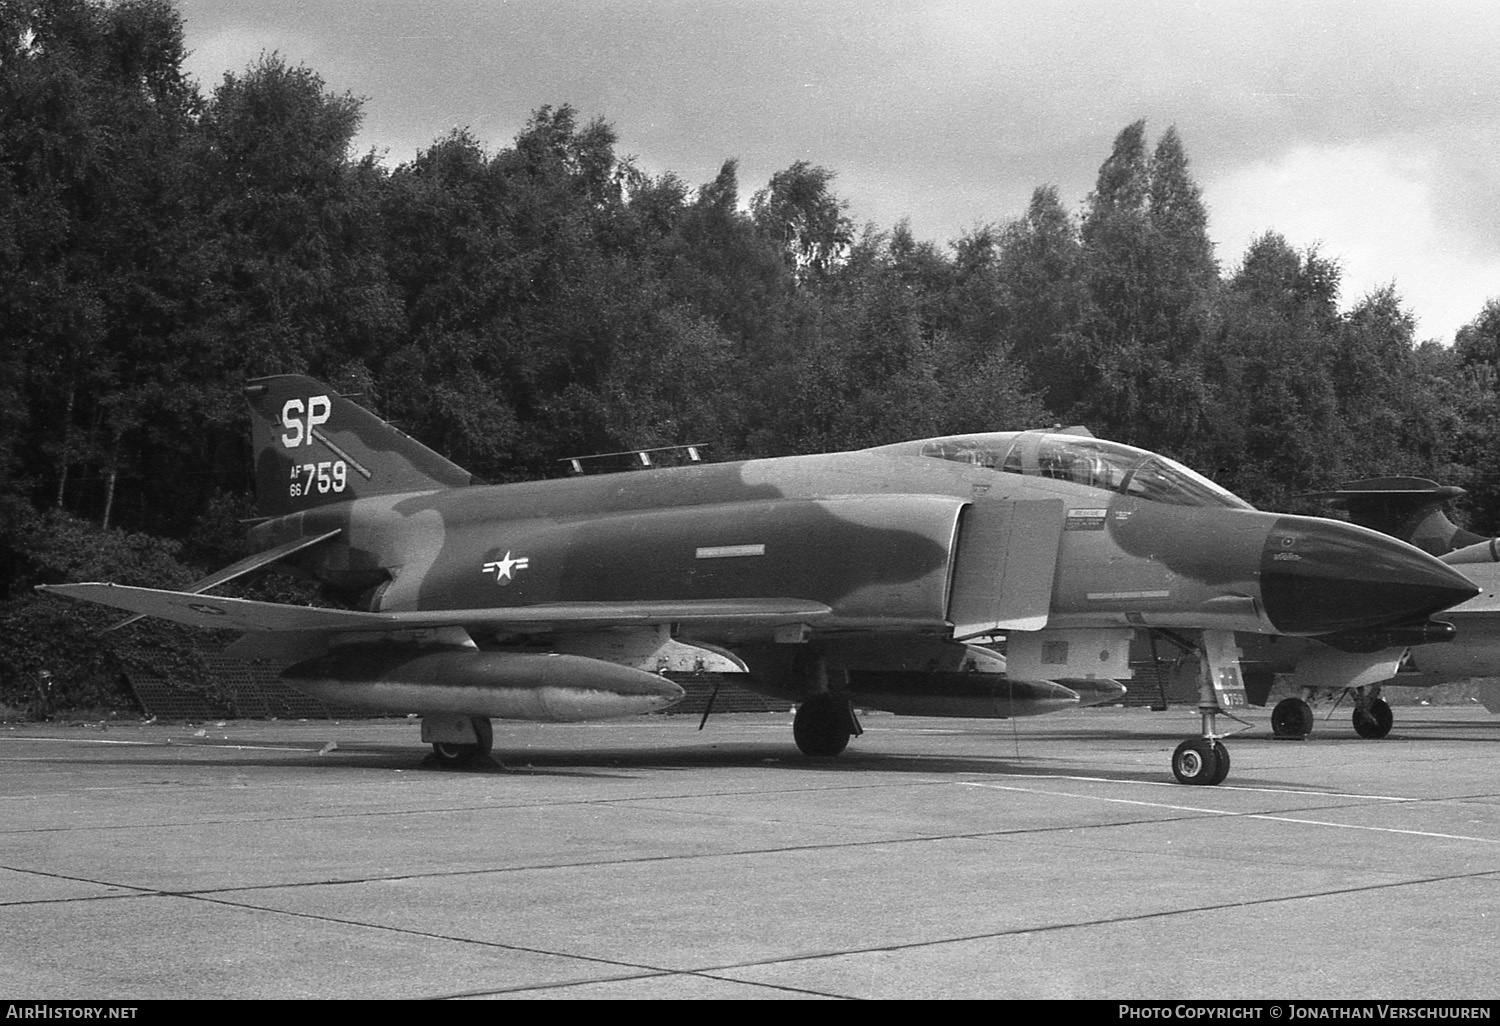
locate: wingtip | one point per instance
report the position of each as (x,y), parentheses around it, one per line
(67,588)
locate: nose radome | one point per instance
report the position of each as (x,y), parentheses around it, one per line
(1322,576)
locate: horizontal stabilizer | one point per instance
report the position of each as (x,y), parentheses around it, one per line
(248,615)
(240,569)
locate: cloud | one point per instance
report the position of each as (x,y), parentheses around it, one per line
(951,112)
(1369,206)
(231,50)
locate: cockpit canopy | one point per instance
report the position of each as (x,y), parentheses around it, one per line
(1082,460)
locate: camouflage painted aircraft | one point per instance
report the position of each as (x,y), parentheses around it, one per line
(1411,509)
(843,580)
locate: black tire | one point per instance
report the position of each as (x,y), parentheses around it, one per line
(462,755)
(1374,722)
(454,756)
(1222,754)
(1292,717)
(821,727)
(485,733)
(1196,761)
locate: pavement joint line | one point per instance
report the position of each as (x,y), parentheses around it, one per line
(541,988)
(81,898)
(1084,924)
(980,835)
(708,975)
(637,860)
(131,890)
(647,971)
(560,985)
(207,892)
(653,800)
(1298,899)
(641,967)
(1236,815)
(972,835)
(210,898)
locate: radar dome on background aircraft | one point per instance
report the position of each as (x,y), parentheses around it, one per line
(1464,645)
(863,577)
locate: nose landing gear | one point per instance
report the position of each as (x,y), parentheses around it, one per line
(1204,761)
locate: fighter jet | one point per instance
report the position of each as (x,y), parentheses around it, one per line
(1410,509)
(867,579)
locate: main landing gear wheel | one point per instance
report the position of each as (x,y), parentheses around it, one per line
(1222,754)
(1200,761)
(823,726)
(454,755)
(1374,721)
(1292,717)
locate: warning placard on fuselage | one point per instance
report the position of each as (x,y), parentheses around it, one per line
(1085,520)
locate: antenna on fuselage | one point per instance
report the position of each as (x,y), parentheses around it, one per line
(634,459)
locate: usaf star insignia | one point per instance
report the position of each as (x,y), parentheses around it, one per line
(504,569)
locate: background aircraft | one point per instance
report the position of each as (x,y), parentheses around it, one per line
(1411,509)
(833,580)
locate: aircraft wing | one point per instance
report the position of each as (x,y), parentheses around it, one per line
(1486,576)
(249,615)
(239,569)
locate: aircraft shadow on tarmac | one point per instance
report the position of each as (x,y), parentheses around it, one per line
(1038,756)
(1032,753)
(604,762)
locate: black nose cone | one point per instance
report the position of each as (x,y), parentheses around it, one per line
(1322,576)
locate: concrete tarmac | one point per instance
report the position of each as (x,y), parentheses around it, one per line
(1043,858)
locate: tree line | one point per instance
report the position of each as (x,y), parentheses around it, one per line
(159,245)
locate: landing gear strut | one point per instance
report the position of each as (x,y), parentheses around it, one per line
(1204,760)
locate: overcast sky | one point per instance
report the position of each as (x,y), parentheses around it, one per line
(1369,128)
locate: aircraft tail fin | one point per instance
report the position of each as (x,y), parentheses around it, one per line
(1408,508)
(313,447)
